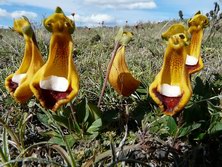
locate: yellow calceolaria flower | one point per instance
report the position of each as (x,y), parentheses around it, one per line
(175,29)
(171,89)
(18,83)
(57,82)
(196,25)
(120,77)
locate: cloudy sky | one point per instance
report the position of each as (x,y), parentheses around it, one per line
(112,12)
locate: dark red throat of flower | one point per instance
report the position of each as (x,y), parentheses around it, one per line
(169,102)
(13,86)
(192,67)
(50,97)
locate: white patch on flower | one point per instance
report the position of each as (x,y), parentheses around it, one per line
(191,60)
(170,90)
(17,78)
(54,83)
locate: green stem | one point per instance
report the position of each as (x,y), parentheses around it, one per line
(3,157)
(72,160)
(77,127)
(211,98)
(5,144)
(12,134)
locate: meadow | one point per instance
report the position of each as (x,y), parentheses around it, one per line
(123,131)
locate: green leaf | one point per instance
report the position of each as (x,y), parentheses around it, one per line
(66,111)
(59,140)
(215,128)
(94,111)
(49,133)
(63,121)
(187,129)
(142,90)
(70,139)
(43,119)
(171,123)
(95,127)
(82,113)
(5,145)
(87,113)
(3,157)
(77,128)
(200,136)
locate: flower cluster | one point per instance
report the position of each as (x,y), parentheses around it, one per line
(56,81)
(171,89)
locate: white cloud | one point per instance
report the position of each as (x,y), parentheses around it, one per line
(126,4)
(93,20)
(66,5)
(141,5)
(17,14)
(3,13)
(71,5)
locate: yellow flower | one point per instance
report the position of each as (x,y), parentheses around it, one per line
(196,25)
(175,29)
(120,77)
(171,89)
(18,83)
(57,82)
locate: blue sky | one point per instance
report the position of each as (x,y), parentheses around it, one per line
(112,12)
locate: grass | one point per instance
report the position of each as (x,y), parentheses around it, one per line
(132,131)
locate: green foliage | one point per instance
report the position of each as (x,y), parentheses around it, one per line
(82,122)
(204,109)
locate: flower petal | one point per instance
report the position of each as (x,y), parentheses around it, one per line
(196,27)
(120,77)
(171,89)
(57,82)
(175,29)
(18,83)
